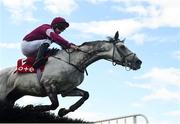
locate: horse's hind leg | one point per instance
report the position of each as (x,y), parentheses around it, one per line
(74,92)
(51,92)
(13,96)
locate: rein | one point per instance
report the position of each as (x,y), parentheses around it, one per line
(75,66)
(123,62)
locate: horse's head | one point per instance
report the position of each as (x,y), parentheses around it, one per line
(122,55)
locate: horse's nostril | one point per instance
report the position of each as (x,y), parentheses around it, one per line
(138,62)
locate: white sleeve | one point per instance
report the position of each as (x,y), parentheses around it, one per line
(48,32)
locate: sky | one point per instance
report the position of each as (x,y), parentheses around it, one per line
(152,31)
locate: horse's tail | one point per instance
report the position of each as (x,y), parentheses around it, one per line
(4,76)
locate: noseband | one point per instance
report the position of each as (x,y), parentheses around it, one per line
(124,61)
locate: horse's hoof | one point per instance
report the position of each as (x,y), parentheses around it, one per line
(62,112)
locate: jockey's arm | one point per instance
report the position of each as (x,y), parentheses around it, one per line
(58,39)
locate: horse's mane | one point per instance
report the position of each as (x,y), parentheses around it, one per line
(109,39)
(95,42)
(54,51)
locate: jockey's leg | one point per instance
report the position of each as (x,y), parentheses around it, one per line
(40,58)
(74,92)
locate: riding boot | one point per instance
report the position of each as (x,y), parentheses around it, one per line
(40,58)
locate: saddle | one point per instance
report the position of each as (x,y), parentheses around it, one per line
(25,65)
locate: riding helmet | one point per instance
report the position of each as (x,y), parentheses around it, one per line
(59,23)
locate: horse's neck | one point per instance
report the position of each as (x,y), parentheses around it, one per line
(90,52)
(96,51)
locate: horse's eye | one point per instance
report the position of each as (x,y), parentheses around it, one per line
(122,47)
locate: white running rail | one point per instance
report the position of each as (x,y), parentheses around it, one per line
(134,117)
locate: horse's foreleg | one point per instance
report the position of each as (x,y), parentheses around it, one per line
(74,92)
(51,92)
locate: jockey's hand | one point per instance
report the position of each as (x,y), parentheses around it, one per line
(74,47)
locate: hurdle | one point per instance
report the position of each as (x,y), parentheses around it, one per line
(134,117)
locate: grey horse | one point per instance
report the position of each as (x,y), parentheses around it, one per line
(64,72)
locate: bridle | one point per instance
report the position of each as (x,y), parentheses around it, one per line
(123,61)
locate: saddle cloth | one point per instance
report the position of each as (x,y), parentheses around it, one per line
(25,65)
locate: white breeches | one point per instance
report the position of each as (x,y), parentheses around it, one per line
(30,48)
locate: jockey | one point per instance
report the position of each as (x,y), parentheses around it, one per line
(36,43)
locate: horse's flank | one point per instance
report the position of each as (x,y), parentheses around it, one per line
(5,85)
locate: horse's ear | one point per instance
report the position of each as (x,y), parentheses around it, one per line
(116,36)
(110,39)
(123,40)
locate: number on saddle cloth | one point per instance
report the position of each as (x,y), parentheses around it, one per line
(26,65)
